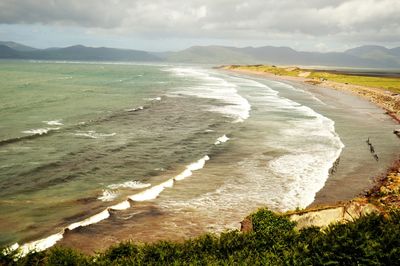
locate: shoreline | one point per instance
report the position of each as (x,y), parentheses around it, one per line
(384,192)
(384,99)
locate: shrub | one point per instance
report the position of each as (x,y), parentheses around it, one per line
(369,240)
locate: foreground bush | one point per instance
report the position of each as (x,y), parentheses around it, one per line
(370,240)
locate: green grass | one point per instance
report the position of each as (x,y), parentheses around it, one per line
(390,84)
(370,240)
(271,69)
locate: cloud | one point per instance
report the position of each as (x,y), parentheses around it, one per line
(366,20)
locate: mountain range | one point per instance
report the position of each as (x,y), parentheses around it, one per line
(363,56)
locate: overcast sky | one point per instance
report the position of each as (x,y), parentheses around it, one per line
(159,25)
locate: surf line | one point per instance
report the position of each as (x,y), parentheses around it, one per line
(148,194)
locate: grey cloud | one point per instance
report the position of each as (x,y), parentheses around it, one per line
(351,19)
(88,13)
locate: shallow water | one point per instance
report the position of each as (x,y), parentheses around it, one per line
(192,148)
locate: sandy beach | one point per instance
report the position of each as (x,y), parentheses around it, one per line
(387,100)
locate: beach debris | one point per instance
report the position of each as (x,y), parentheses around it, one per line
(334,166)
(397,132)
(372,150)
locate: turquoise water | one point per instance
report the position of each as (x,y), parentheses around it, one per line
(187,142)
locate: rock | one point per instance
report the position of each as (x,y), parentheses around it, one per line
(246,226)
(338,214)
(320,218)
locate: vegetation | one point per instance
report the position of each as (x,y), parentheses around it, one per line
(391,84)
(274,240)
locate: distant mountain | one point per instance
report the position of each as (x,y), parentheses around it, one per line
(7,52)
(210,55)
(79,52)
(377,53)
(18,47)
(364,56)
(279,56)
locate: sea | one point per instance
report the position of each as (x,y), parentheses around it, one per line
(98,152)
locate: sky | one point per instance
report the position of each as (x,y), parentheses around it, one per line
(171,25)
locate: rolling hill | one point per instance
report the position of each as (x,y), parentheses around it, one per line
(363,56)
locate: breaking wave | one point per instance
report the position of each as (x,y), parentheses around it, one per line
(236,106)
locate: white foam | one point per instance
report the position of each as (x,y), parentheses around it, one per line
(10,249)
(168,184)
(108,195)
(307,145)
(135,109)
(54,122)
(183,175)
(155,99)
(199,164)
(130,185)
(120,206)
(311,147)
(192,167)
(153,192)
(93,134)
(288,86)
(91,220)
(221,140)
(40,131)
(213,87)
(148,194)
(39,245)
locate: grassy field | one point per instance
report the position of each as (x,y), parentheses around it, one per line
(274,240)
(390,84)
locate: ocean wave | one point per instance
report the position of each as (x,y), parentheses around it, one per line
(305,147)
(310,146)
(221,140)
(38,245)
(93,134)
(135,109)
(129,184)
(148,194)
(120,206)
(213,87)
(40,131)
(91,220)
(288,86)
(154,99)
(110,194)
(53,122)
